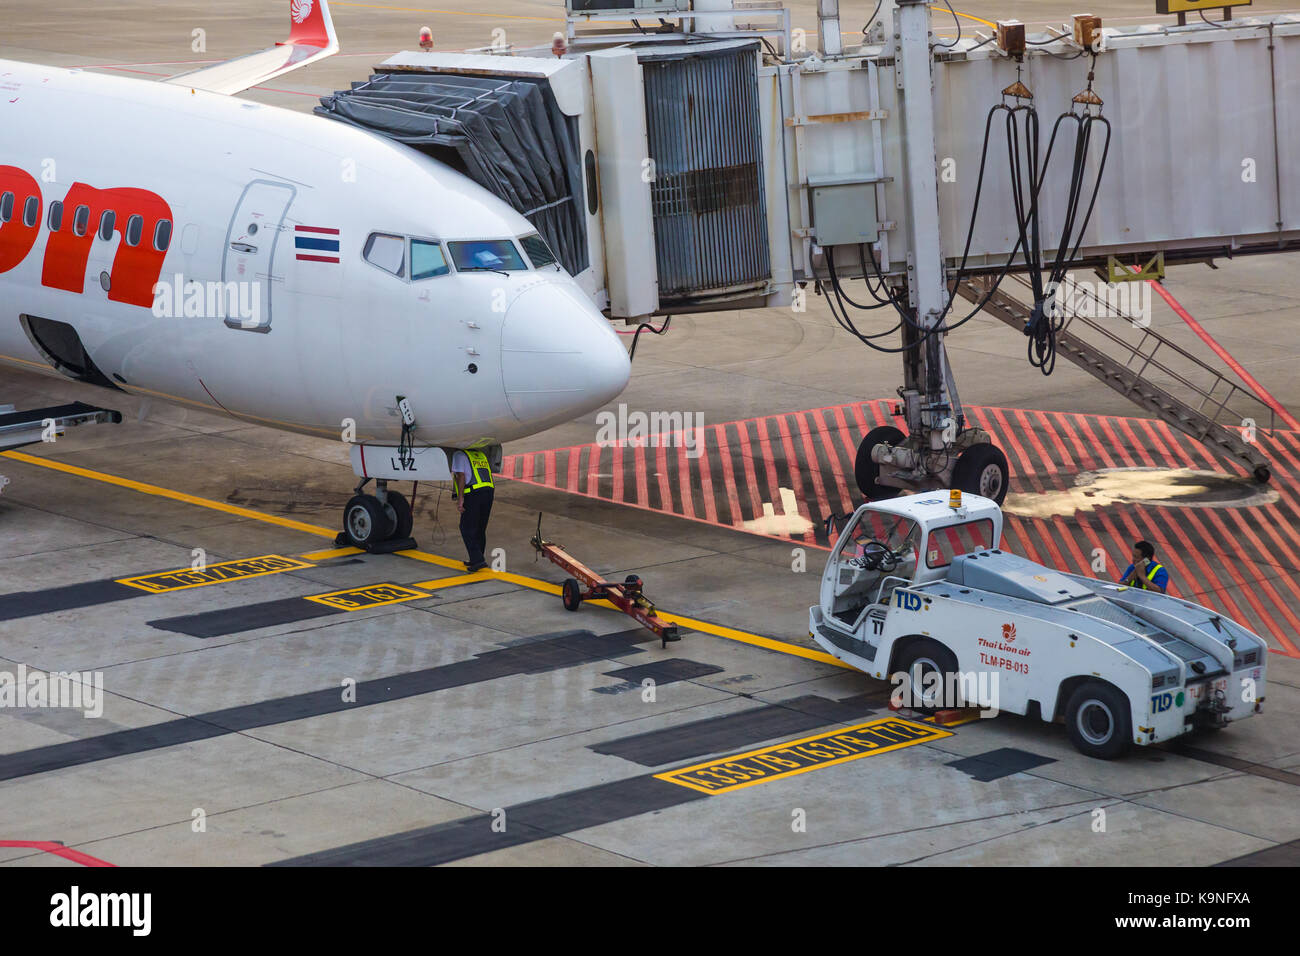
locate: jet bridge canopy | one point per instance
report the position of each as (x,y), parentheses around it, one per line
(506,133)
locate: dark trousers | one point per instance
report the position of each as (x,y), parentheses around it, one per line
(474,522)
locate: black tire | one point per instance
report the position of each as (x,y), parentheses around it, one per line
(982,470)
(632,581)
(1097,721)
(1262,474)
(918,659)
(365,522)
(399,512)
(866,471)
(571,593)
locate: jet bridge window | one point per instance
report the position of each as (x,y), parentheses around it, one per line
(427,259)
(495,255)
(539,253)
(386,252)
(947,543)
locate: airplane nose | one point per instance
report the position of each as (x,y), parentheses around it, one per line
(559,357)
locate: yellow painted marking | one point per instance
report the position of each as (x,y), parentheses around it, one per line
(21,361)
(184,578)
(371,595)
(455,581)
(535,584)
(952,723)
(799,756)
(168,493)
(329,553)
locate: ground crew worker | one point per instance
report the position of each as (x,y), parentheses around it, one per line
(1145,572)
(472,477)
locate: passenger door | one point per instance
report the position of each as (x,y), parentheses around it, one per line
(248,258)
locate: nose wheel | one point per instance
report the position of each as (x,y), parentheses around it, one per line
(380,523)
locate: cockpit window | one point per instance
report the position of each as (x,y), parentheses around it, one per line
(487,254)
(427,259)
(539,253)
(387,252)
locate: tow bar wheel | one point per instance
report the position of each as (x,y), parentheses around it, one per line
(571,593)
(1097,721)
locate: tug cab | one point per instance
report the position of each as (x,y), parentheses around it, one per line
(910,540)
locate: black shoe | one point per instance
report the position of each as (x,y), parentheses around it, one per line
(476,566)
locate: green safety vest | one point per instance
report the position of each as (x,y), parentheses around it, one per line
(482,470)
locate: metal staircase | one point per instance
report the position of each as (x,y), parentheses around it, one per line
(1129,365)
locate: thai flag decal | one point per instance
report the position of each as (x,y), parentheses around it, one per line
(316,243)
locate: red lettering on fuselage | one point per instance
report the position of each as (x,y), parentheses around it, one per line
(135,269)
(16,237)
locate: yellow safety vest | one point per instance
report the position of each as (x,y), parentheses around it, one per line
(482,471)
(1151,575)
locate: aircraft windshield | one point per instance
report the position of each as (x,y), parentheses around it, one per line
(495,255)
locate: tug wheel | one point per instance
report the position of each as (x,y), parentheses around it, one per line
(571,594)
(866,471)
(919,661)
(632,581)
(1097,721)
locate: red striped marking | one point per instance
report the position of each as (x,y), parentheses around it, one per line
(321,229)
(57,849)
(1040,463)
(306,258)
(1222,353)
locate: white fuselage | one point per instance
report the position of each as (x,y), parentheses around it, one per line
(322,342)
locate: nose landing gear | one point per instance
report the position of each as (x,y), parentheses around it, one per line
(379,523)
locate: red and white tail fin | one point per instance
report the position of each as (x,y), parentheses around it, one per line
(311,38)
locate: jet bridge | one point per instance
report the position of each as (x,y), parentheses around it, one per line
(715,164)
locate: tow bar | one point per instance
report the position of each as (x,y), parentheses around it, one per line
(627,597)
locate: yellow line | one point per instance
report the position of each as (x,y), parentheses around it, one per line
(454,13)
(329,553)
(966,16)
(36,365)
(168,493)
(454,582)
(536,584)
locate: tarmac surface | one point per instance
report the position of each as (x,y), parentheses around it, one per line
(323,706)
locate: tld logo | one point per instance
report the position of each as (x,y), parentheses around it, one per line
(908,602)
(1161,702)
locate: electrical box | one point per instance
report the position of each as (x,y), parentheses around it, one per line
(1011,37)
(1185,6)
(844,214)
(1087,29)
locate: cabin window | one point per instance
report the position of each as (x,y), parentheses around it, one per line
(80,220)
(6,207)
(427,259)
(487,255)
(106,222)
(947,543)
(134,230)
(56,216)
(387,252)
(162,235)
(31,212)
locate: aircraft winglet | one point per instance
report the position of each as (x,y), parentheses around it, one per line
(311,38)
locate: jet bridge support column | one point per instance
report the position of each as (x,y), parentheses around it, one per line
(935,452)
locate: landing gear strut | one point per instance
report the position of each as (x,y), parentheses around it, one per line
(379,523)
